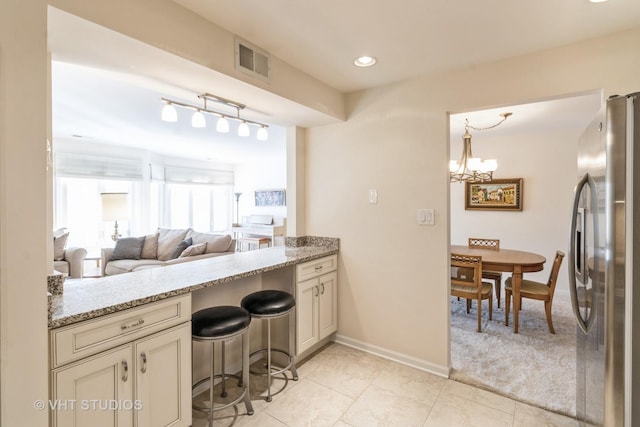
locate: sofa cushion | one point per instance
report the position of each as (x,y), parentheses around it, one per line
(193,250)
(127,248)
(128,265)
(59,242)
(168,240)
(150,247)
(182,245)
(215,242)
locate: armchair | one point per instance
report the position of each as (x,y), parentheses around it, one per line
(67,260)
(72,262)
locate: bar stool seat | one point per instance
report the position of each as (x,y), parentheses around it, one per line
(216,324)
(269,304)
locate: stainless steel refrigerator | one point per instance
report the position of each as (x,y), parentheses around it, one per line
(604,253)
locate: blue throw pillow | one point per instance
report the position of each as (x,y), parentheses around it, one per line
(184,244)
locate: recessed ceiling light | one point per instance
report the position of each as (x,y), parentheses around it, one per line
(597,1)
(364,61)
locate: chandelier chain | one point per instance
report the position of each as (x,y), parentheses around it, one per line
(468,126)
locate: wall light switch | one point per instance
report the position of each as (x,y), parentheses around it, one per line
(426,217)
(373,197)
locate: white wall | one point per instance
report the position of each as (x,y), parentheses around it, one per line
(548,163)
(270,174)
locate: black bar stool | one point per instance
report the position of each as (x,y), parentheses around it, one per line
(216,324)
(267,305)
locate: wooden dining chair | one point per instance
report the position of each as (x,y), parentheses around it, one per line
(466,282)
(536,290)
(493,244)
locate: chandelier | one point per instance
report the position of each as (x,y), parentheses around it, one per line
(169,114)
(473,169)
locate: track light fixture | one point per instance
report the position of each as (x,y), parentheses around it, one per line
(169,114)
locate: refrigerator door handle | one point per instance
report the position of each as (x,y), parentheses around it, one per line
(582,323)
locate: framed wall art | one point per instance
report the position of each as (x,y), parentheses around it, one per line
(270,198)
(498,194)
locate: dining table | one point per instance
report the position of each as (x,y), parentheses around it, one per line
(507,261)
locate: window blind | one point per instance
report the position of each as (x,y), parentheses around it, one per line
(176,174)
(79,166)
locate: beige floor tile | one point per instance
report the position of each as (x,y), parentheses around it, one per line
(455,411)
(409,382)
(343,369)
(309,404)
(530,416)
(492,400)
(381,407)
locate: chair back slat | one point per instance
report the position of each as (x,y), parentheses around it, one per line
(553,275)
(476,242)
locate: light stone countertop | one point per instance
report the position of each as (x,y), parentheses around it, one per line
(90,298)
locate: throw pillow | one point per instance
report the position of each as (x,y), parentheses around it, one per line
(150,247)
(193,250)
(168,239)
(184,244)
(59,243)
(127,248)
(215,242)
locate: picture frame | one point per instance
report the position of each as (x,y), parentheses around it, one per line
(270,198)
(497,194)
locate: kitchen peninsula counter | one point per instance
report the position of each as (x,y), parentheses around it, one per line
(91,298)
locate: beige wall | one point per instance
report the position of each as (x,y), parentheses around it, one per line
(23,207)
(393,273)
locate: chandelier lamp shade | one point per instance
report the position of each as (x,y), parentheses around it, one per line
(469,168)
(198,120)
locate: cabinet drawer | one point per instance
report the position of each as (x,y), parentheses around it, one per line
(316,267)
(74,342)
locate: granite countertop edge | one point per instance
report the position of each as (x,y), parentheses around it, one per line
(92,298)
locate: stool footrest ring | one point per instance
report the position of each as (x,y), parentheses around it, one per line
(277,371)
(207,409)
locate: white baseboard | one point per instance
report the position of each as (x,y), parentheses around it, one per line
(439,370)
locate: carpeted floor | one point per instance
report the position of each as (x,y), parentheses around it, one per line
(533,366)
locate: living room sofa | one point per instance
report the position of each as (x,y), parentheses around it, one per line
(165,247)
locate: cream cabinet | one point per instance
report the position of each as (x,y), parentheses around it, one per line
(142,379)
(316,301)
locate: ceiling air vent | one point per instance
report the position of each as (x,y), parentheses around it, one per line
(252,60)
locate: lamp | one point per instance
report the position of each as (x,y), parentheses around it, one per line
(114,207)
(473,169)
(237,207)
(169,114)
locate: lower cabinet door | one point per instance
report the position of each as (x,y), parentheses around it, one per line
(97,391)
(328,305)
(163,378)
(306,314)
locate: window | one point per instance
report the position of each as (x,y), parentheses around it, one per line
(170,197)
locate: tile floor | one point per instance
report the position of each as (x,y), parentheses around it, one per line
(341,386)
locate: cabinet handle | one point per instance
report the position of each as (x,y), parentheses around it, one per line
(318,267)
(143,356)
(317,291)
(132,325)
(125,371)
(322,287)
